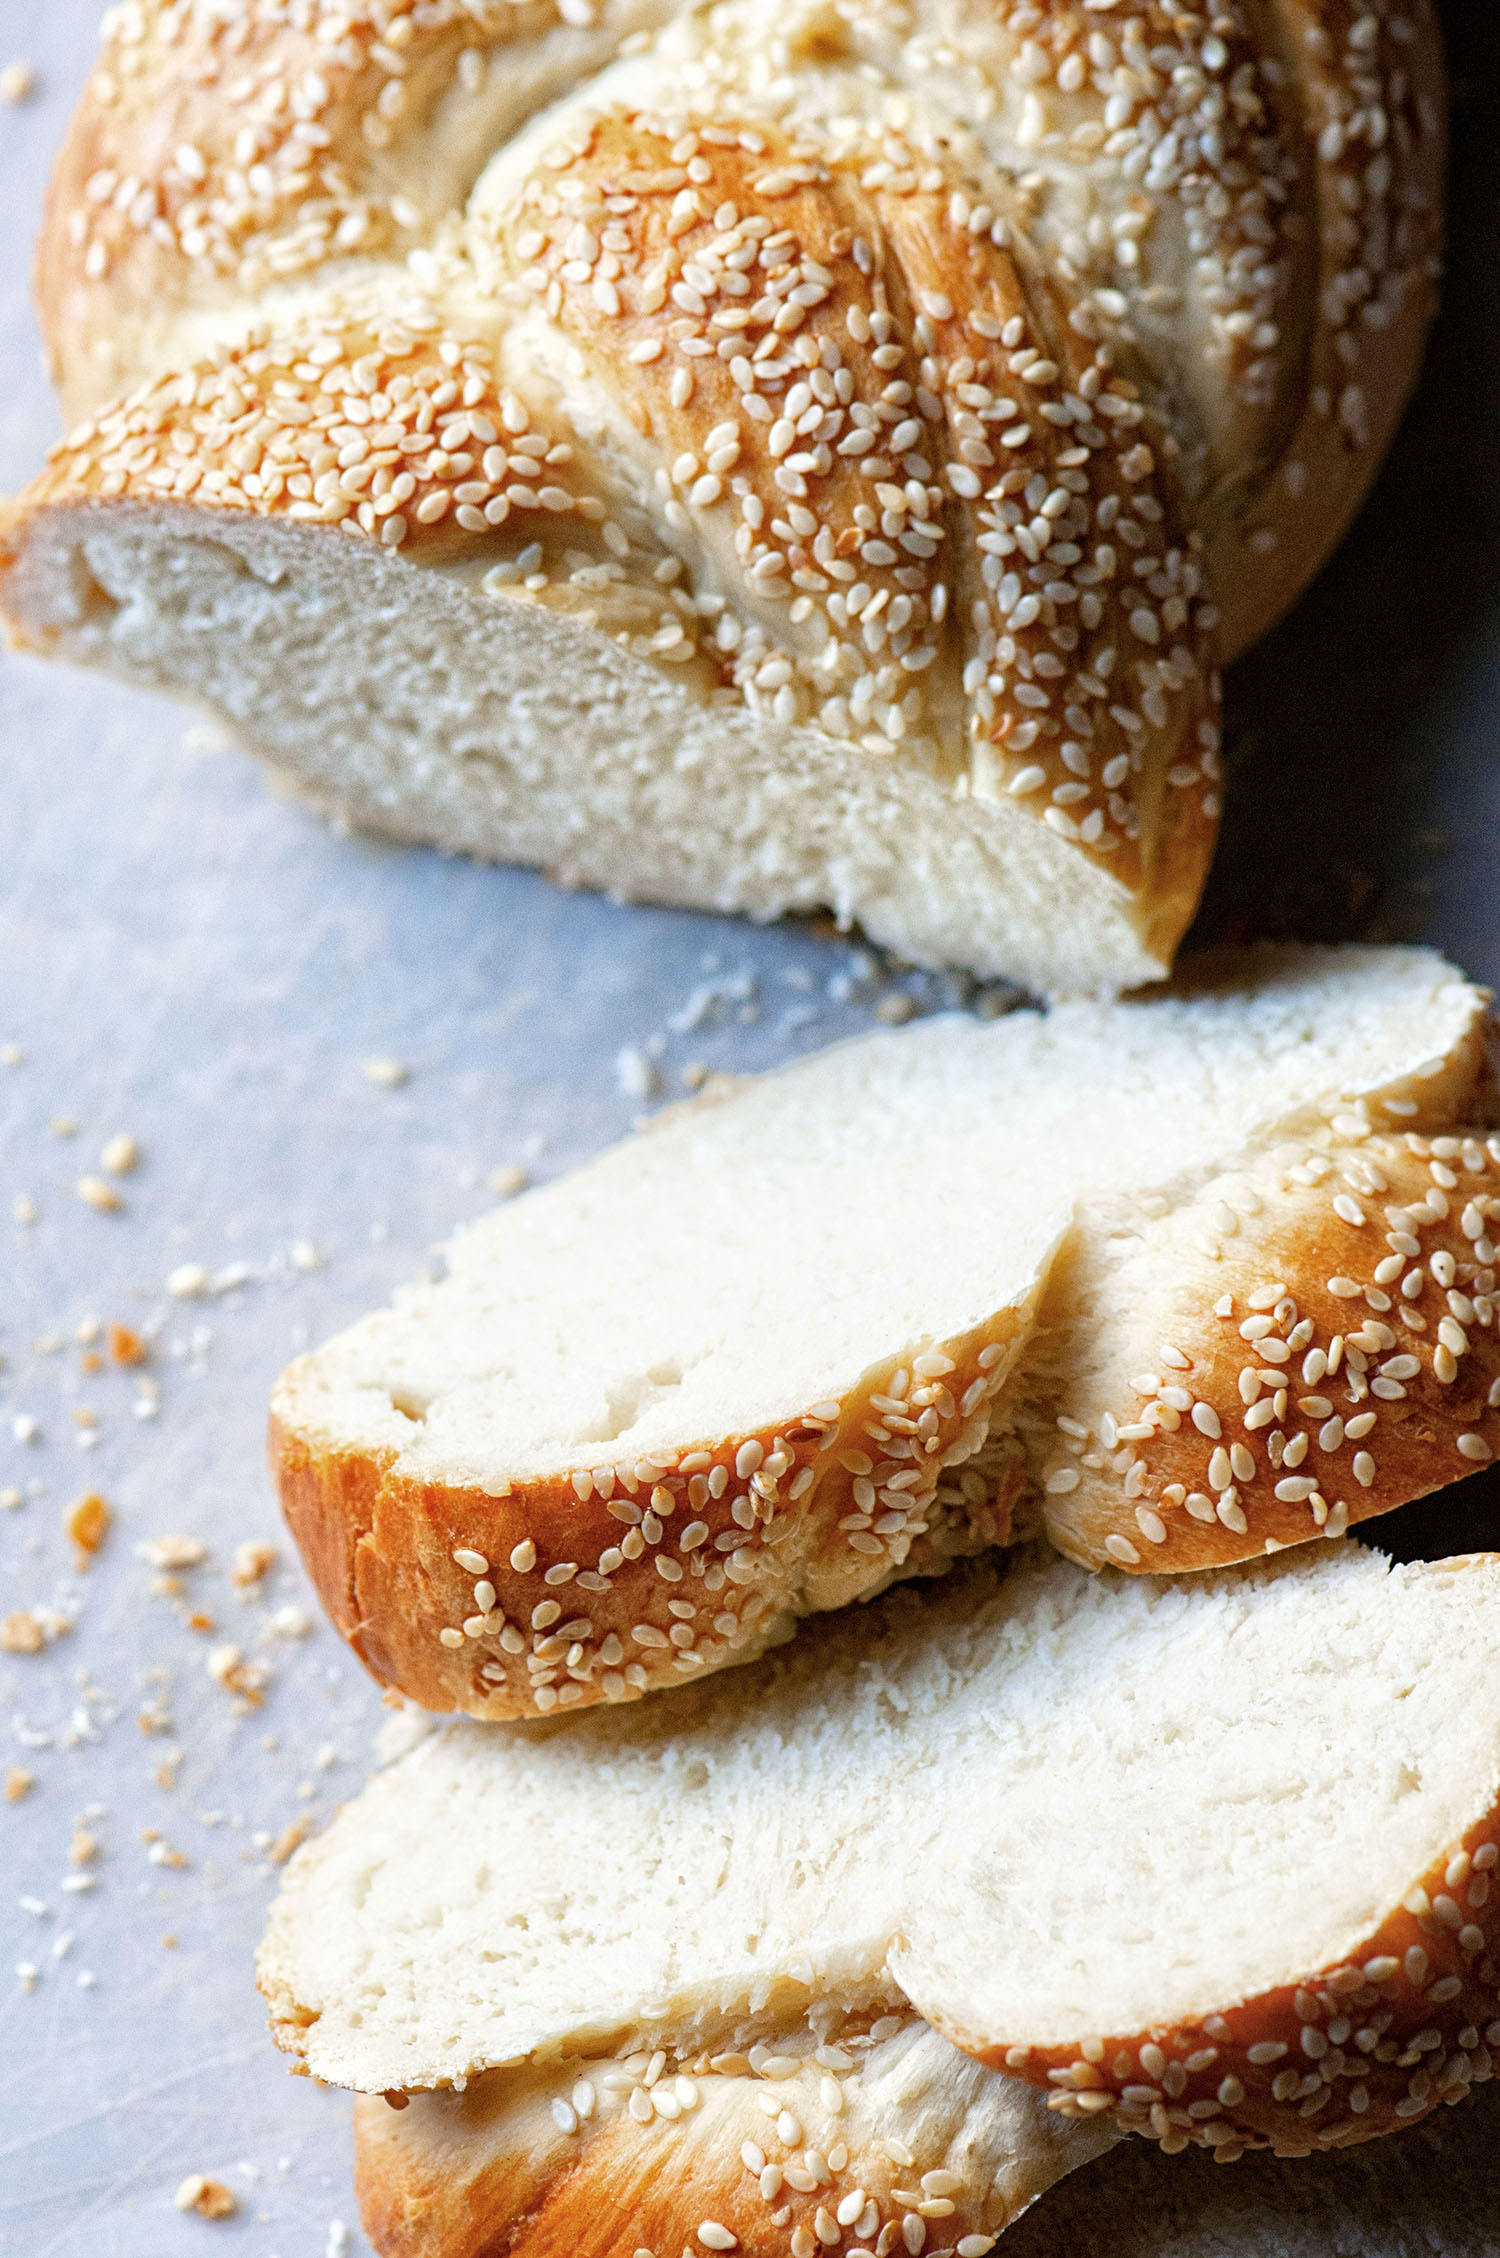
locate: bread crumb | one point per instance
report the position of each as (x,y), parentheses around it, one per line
(507,1181)
(227,1666)
(18,1783)
(173,1552)
(187,1281)
(305,1255)
(12,1499)
(126,1346)
(23,1209)
(88,1523)
(251,1562)
(101,1197)
(11,1054)
(386,1073)
(636,1073)
(211,2199)
(120,1156)
(25,1428)
(896,1009)
(21,1633)
(18,82)
(290,1838)
(84,1848)
(63,1125)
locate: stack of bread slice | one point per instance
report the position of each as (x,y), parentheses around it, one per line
(861,1946)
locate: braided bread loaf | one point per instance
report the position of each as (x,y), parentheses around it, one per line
(796,457)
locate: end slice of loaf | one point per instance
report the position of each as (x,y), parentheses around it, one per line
(739,1371)
(884,2134)
(1212,1857)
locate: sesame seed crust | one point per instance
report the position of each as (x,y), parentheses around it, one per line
(385,426)
(219,153)
(958,384)
(1374,115)
(607,1581)
(1338,1355)
(899,2144)
(1406,2020)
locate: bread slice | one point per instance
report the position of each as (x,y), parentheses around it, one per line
(880,2136)
(1212,1856)
(740,1370)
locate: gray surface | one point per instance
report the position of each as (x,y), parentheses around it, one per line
(189,958)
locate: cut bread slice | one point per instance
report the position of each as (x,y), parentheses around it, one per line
(738,1371)
(1213,1856)
(882,2136)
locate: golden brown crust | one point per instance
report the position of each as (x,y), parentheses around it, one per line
(1405,2021)
(384,424)
(1374,113)
(1320,1344)
(511,2166)
(944,505)
(608,1583)
(215,156)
